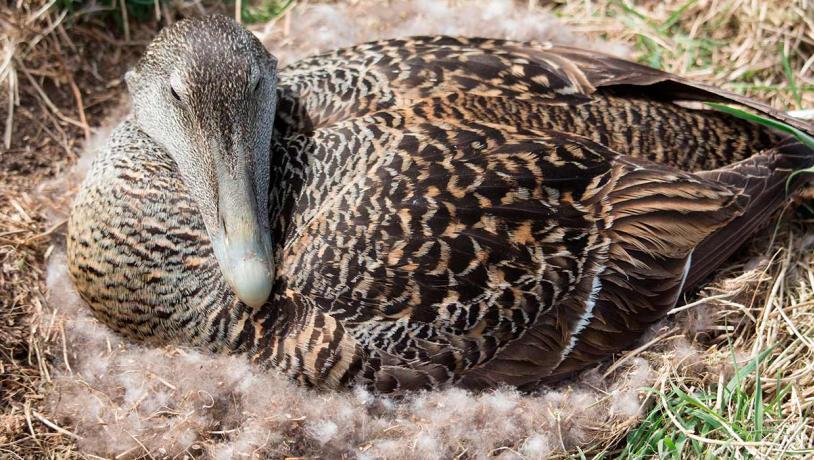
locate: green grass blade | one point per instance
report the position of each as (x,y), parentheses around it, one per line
(665,26)
(629,9)
(768,122)
(804,138)
(749,368)
(758,401)
(252,13)
(796,173)
(790,75)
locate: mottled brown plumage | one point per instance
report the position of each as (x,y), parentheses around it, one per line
(443,210)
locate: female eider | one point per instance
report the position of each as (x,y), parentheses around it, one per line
(416,212)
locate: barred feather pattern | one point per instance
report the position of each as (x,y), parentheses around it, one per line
(445,210)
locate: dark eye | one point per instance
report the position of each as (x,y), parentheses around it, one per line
(257,84)
(174,94)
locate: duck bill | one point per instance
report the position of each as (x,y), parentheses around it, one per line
(243,245)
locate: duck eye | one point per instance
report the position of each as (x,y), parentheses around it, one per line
(257,84)
(174,94)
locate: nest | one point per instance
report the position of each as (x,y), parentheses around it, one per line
(730,373)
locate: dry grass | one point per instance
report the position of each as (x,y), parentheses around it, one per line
(23,359)
(761,48)
(764,49)
(749,393)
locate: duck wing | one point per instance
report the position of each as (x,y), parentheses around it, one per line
(441,244)
(492,211)
(597,70)
(625,106)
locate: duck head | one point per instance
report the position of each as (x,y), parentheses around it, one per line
(205,90)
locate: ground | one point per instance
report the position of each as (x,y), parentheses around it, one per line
(730,374)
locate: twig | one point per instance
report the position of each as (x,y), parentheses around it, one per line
(32,43)
(65,348)
(27,412)
(698,302)
(43,9)
(162,380)
(636,351)
(46,100)
(125,22)
(12,94)
(51,134)
(55,427)
(146,450)
(47,232)
(80,106)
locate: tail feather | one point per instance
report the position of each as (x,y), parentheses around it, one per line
(764,179)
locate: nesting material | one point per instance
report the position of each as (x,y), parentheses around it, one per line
(318,28)
(118,399)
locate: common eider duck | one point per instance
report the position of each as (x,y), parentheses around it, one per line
(414,213)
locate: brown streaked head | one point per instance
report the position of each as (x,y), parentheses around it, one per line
(205,91)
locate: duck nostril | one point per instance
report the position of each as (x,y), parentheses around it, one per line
(224,230)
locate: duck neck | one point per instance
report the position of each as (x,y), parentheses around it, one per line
(139,255)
